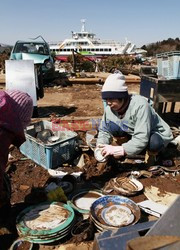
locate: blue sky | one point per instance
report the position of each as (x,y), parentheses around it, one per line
(140,21)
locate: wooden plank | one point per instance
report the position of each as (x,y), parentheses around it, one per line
(86,80)
(99,80)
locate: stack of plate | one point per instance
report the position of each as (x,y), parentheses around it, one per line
(45,222)
(114,211)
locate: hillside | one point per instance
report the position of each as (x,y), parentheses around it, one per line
(162,46)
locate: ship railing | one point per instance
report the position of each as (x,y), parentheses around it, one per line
(111,42)
(55,43)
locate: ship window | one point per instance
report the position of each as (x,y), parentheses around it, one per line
(101,49)
(97,49)
(57,50)
(83,43)
(109,49)
(105,49)
(88,50)
(92,49)
(80,49)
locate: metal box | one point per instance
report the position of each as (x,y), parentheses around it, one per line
(159,92)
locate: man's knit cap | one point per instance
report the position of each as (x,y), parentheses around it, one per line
(115,87)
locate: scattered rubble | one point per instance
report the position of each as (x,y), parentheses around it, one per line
(28,180)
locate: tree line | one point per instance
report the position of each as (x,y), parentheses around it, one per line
(162,46)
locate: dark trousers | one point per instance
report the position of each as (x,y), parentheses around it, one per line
(156,143)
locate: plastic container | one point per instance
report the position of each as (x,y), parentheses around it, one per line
(49,155)
(169,65)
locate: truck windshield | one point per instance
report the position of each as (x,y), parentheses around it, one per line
(32,48)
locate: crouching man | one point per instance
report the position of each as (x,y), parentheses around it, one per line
(131,116)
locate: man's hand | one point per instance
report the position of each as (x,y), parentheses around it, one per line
(116,151)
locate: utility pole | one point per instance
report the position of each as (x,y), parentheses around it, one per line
(74,61)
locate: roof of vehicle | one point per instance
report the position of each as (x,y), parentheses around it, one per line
(38,39)
(30,41)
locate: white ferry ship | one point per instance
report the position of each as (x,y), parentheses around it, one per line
(87,44)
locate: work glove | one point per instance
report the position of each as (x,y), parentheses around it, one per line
(116,151)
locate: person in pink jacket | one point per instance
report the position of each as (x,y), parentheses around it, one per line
(16,109)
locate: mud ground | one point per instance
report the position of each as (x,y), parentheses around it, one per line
(77,100)
(28,179)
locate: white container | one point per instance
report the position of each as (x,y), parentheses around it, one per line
(168,64)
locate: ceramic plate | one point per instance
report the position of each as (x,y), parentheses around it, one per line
(106,202)
(98,155)
(53,138)
(85,201)
(82,201)
(117,215)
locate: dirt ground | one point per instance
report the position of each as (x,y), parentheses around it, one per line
(28,179)
(78,100)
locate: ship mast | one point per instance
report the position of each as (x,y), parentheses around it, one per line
(83,25)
